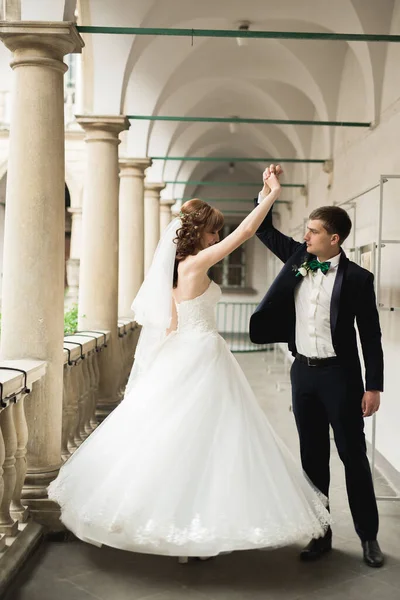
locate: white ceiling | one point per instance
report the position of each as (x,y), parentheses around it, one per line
(215,77)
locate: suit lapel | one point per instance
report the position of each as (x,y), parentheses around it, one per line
(297,260)
(337,290)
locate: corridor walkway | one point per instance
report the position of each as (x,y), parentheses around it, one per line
(71,570)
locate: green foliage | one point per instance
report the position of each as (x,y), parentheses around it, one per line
(71,320)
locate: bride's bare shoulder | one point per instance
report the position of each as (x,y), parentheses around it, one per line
(188,266)
(191,280)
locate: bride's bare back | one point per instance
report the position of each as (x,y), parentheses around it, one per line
(191,281)
(191,284)
(192,271)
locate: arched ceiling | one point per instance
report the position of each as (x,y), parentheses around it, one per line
(279,79)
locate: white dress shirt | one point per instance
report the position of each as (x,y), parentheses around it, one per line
(313,312)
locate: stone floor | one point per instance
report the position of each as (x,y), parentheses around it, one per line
(76,571)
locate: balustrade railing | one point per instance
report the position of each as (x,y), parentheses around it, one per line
(82,377)
(233,324)
(20,382)
(18,379)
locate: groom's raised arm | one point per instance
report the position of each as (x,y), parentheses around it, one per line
(281,245)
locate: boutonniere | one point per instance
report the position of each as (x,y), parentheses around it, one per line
(302,270)
(313,266)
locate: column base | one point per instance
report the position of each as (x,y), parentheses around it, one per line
(34,497)
(36,484)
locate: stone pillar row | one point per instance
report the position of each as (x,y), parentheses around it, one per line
(119,225)
(33,278)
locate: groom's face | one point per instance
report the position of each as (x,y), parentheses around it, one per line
(319,241)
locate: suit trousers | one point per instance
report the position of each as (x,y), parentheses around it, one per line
(324,396)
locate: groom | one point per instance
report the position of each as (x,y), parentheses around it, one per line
(312,305)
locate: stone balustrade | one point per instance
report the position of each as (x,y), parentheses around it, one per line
(80,394)
(19,381)
(82,377)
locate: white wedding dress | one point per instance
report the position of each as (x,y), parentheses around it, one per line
(188,464)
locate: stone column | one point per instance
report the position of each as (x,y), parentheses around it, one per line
(151,221)
(33,278)
(73,261)
(131,231)
(98,277)
(165,213)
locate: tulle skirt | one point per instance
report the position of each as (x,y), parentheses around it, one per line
(188,464)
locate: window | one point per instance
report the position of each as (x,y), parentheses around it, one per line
(230,272)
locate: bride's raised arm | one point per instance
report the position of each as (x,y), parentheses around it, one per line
(210,256)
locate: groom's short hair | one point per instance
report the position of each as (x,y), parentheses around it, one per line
(334,219)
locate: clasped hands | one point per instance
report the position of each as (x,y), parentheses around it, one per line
(271,178)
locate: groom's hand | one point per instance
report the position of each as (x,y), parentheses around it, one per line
(370,403)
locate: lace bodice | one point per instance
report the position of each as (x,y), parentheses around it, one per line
(198,314)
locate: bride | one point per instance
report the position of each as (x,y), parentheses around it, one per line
(188,464)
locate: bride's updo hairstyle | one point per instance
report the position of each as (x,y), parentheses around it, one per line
(197,217)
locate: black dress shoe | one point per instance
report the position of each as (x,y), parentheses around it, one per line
(373,556)
(317,547)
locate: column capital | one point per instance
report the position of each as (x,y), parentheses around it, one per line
(49,40)
(154,187)
(134,167)
(167,202)
(103,127)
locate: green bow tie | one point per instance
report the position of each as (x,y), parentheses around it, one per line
(314,265)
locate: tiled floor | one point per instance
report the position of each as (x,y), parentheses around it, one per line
(77,571)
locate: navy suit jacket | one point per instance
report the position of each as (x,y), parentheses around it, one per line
(353,299)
